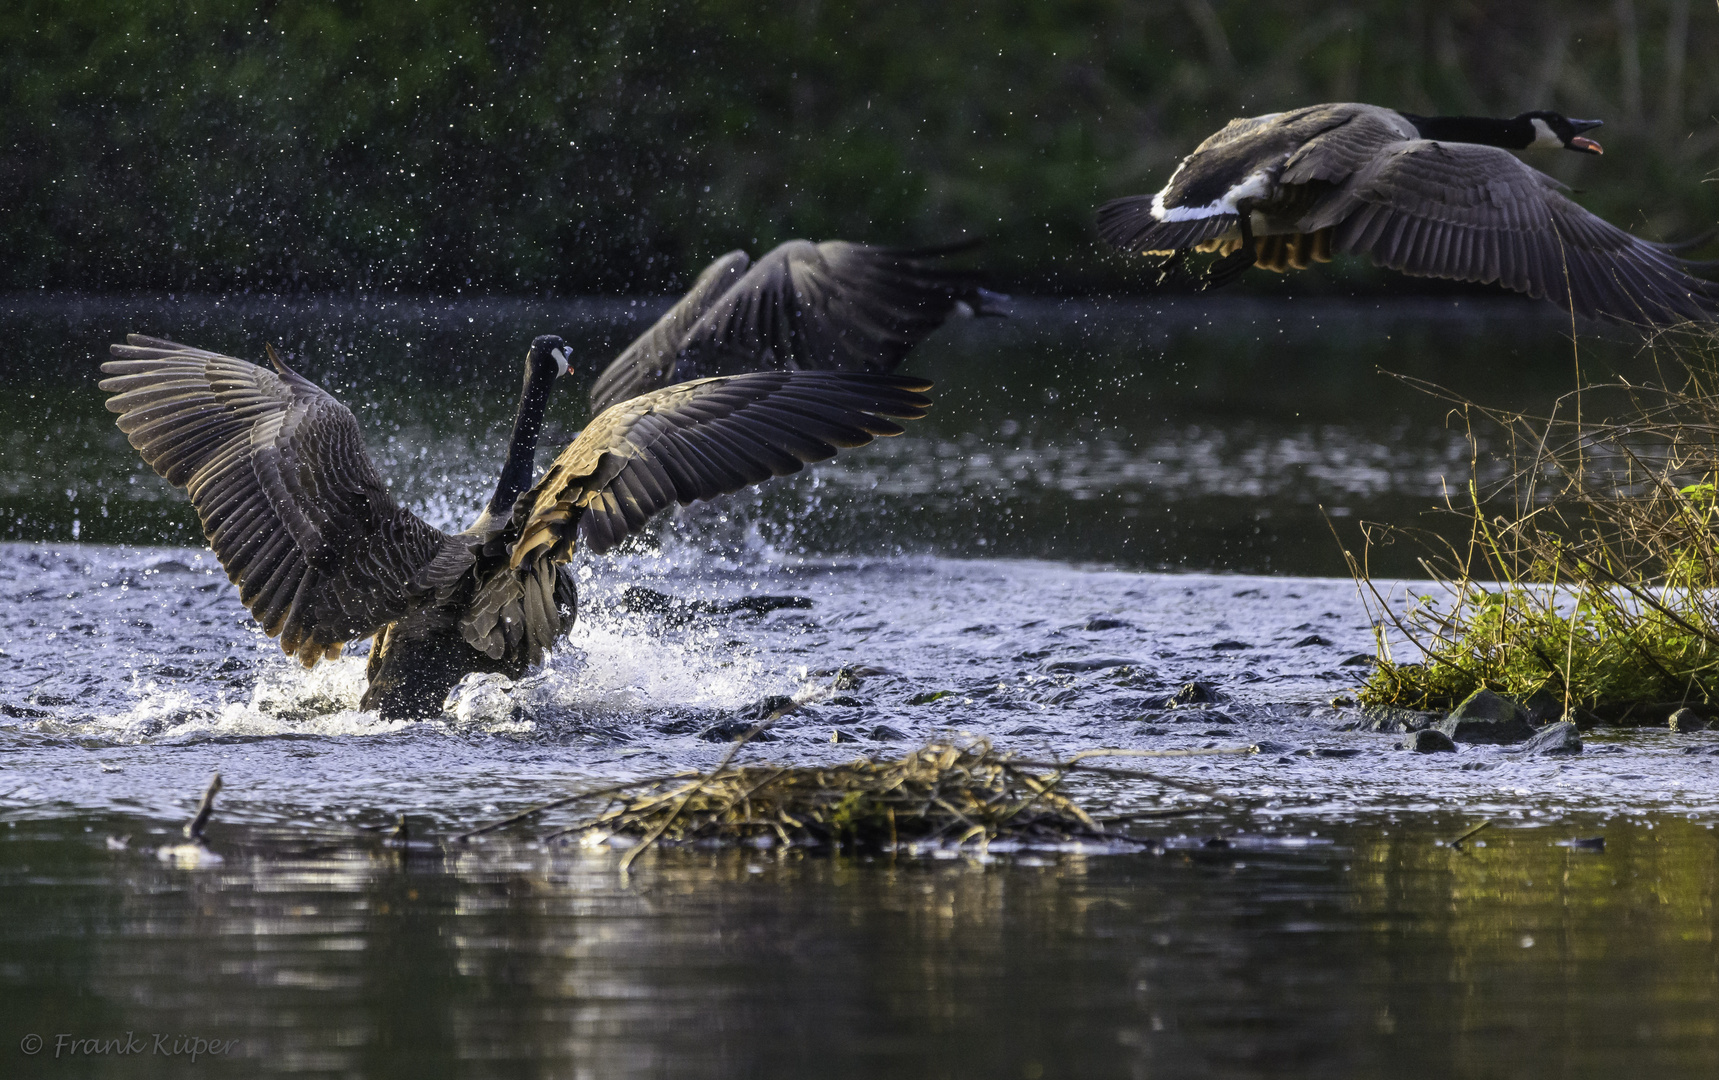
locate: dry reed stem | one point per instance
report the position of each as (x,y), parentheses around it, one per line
(1601,582)
(941,791)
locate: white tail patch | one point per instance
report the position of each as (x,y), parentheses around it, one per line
(1255,186)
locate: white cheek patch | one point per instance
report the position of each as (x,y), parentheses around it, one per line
(560,361)
(1255,186)
(1544,135)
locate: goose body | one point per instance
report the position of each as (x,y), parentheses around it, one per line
(831,306)
(323,555)
(1428,196)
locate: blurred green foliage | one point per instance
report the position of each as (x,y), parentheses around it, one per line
(438,145)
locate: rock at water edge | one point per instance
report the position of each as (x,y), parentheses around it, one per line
(1427,741)
(1559,738)
(1686,720)
(1486,717)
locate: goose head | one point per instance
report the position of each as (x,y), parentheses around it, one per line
(1554,130)
(547,357)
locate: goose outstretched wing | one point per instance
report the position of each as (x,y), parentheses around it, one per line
(649,361)
(289,501)
(697,440)
(834,306)
(1478,213)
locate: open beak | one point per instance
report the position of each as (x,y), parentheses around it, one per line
(1586,146)
(560,361)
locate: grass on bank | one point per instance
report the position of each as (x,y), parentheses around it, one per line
(1600,583)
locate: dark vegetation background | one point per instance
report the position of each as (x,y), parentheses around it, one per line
(441,146)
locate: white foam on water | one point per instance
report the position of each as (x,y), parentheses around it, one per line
(608,665)
(286,700)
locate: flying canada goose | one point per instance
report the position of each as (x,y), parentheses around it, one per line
(323,555)
(835,306)
(1432,196)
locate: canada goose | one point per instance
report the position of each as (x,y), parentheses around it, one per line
(836,306)
(323,555)
(1433,196)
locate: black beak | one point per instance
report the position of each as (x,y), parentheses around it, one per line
(1579,126)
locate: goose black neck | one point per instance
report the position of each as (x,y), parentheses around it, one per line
(1515,134)
(522,448)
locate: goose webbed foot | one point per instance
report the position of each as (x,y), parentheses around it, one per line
(1172,268)
(1231,266)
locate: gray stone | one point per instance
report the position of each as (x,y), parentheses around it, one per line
(1194,693)
(1559,738)
(1543,708)
(1486,705)
(1090,663)
(729,730)
(1686,720)
(1487,717)
(1427,741)
(1102,622)
(1389,718)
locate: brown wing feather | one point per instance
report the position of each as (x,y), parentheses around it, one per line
(701,439)
(1478,213)
(649,361)
(1347,146)
(834,306)
(290,503)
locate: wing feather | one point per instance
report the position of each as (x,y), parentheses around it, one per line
(697,440)
(649,361)
(1505,222)
(834,306)
(288,499)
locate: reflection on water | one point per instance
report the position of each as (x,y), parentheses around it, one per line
(1201,433)
(1368,950)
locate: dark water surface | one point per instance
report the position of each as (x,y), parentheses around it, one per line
(1057,548)
(1367,950)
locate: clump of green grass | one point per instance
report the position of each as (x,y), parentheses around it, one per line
(1600,582)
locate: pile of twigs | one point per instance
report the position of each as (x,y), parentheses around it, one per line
(941,793)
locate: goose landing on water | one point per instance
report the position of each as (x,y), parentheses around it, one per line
(323,555)
(1436,196)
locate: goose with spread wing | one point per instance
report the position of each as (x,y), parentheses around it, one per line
(832,306)
(1438,196)
(323,555)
